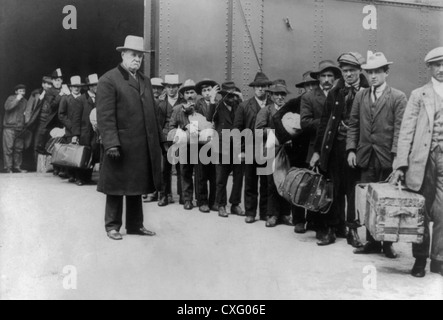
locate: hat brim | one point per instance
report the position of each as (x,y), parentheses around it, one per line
(375,66)
(301,85)
(261,83)
(81,85)
(436,59)
(121,49)
(188,88)
(91,84)
(278,91)
(236,92)
(171,84)
(337,72)
(199,86)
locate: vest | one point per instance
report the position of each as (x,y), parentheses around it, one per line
(437,136)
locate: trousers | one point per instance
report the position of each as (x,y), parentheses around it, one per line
(114,213)
(433,192)
(223,171)
(252,188)
(13,147)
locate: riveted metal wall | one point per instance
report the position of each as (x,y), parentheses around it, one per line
(210,38)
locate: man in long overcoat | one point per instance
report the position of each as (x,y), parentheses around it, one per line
(127,121)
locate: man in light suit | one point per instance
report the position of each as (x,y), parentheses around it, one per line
(420,160)
(374,127)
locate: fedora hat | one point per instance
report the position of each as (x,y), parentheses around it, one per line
(76,81)
(375,61)
(229,87)
(260,80)
(434,55)
(188,85)
(57,74)
(352,58)
(205,83)
(92,79)
(157,82)
(279,86)
(133,43)
(172,79)
(307,79)
(324,66)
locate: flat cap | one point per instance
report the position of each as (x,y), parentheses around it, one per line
(434,55)
(352,58)
(20,87)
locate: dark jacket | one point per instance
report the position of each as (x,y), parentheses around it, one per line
(54,99)
(312,105)
(202,107)
(164,115)
(86,132)
(331,119)
(14,117)
(70,115)
(223,119)
(127,118)
(300,143)
(265,119)
(377,133)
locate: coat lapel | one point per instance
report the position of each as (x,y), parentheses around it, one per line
(429,102)
(381,102)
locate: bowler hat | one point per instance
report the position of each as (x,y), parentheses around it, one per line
(157,82)
(205,83)
(76,81)
(307,79)
(351,58)
(57,74)
(229,87)
(434,55)
(133,43)
(279,86)
(326,65)
(260,80)
(172,79)
(92,79)
(20,87)
(375,61)
(188,85)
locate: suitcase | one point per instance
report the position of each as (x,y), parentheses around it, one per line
(307,189)
(395,215)
(71,156)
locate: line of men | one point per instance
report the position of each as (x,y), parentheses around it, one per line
(29,122)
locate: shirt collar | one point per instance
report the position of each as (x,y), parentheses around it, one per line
(172,101)
(380,89)
(76,95)
(438,86)
(277,107)
(91,94)
(262,104)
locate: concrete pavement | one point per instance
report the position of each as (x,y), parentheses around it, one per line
(51,230)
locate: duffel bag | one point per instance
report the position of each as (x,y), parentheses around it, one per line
(308,189)
(71,156)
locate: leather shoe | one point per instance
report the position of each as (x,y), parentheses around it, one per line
(141,232)
(389,250)
(250,219)
(354,239)
(188,205)
(328,238)
(7,171)
(419,269)
(215,208)
(71,180)
(300,228)
(238,211)
(287,220)
(369,248)
(163,202)
(222,212)
(437,267)
(63,175)
(18,170)
(115,235)
(272,222)
(153,197)
(205,208)
(171,200)
(80,183)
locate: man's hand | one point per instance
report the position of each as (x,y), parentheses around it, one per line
(113,153)
(163,96)
(74,140)
(398,177)
(213,94)
(19,97)
(315,159)
(352,160)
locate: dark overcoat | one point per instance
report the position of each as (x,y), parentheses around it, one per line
(330,121)
(127,118)
(70,115)
(312,104)
(377,131)
(86,132)
(164,115)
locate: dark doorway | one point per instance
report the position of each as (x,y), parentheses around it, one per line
(34,42)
